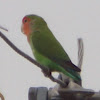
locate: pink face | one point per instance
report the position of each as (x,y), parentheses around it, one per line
(26,25)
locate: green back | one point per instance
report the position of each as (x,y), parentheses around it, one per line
(45,43)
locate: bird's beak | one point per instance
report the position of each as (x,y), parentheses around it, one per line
(25,28)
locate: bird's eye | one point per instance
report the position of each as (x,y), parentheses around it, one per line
(25,20)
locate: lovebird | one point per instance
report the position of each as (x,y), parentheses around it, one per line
(46,48)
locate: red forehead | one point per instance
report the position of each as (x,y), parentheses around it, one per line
(26,18)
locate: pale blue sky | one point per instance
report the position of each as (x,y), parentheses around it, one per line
(68,20)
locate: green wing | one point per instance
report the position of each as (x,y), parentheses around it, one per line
(47,45)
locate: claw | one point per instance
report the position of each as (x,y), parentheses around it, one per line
(46,73)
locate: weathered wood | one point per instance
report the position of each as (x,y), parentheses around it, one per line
(39,93)
(76,94)
(42,93)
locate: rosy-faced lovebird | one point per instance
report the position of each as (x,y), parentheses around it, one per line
(46,48)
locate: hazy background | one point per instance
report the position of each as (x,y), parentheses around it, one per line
(68,20)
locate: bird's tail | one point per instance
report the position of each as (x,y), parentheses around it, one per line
(72,74)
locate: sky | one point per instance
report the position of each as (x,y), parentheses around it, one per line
(68,20)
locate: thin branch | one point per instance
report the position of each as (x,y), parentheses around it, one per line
(3,28)
(45,69)
(62,84)
(2,97)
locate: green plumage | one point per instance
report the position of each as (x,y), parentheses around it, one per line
(48,51)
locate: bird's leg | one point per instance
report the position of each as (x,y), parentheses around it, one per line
(46,73)
(65,80)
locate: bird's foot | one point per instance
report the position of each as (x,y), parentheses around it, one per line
(47,73)
(66,81)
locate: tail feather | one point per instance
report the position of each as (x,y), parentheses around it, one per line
(72,74)
(70,65)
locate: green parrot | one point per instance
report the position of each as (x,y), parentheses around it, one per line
(46,48)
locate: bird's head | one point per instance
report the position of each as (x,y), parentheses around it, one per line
(31,23)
